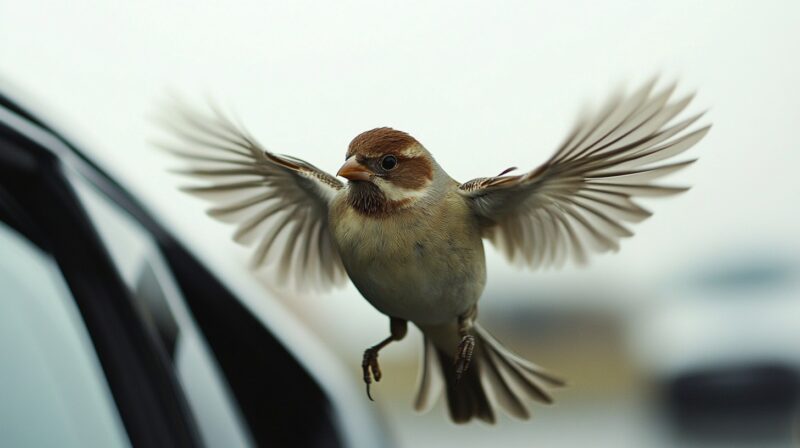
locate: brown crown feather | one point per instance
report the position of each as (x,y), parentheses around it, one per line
(379,141)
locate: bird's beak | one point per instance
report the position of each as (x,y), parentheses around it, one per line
(352,170)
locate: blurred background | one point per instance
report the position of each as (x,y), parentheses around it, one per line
(686,337)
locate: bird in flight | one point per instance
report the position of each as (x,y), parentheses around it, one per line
(410,237)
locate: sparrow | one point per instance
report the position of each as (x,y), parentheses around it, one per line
(411,238)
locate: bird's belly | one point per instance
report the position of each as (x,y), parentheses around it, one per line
(418,287)
(423,277)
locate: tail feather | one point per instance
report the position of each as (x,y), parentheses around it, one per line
(512,359)
(496,378)
(507,398)
(430,378)
(466,397)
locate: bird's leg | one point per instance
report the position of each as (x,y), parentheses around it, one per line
(467,344)
(369,364)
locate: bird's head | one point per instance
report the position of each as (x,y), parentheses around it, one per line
(388,170)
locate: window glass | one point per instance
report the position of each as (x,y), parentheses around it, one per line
(52,389)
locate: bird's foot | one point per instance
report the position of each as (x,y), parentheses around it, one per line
(464,354)
(370,367)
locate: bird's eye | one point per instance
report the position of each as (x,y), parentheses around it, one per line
(389,162)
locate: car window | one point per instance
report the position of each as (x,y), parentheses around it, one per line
(159,299)
(52,389)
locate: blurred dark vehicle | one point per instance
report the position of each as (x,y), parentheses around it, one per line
(112,333)
(723,349)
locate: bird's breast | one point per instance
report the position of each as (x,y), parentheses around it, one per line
(425,266)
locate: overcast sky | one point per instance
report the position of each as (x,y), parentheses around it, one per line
(483,86)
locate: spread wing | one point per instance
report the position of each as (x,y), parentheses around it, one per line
(581,199)
(279,203)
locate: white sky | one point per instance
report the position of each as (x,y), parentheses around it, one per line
(483,85)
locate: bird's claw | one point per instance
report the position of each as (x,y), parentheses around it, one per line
(371,369)
(464,354)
